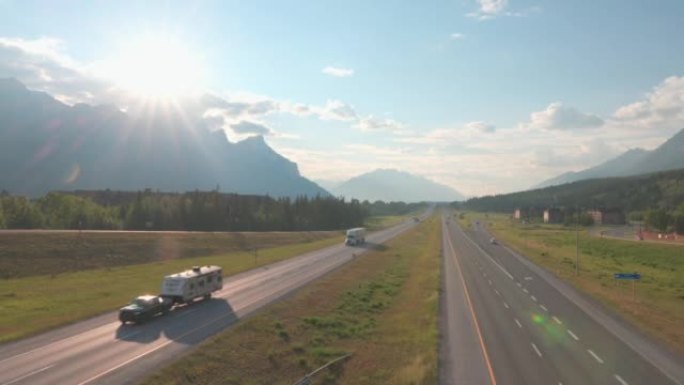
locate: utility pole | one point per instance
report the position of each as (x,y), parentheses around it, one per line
(577,240)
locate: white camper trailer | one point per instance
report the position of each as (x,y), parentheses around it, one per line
(355,236)
(200,281)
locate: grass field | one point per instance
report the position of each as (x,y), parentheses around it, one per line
(32,304)
(382,308)
(659,305)
(385,221)
(25,254)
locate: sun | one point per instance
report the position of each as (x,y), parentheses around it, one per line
(155,67)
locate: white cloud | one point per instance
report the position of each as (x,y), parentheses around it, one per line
(559,117)
(245,127)
(339,72)
(661,109)
(457,36)
(467,135)
(480,126)
(490,9)
(336,110)
(371,123)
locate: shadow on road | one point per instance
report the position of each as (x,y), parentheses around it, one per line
(372,246)
(187,324)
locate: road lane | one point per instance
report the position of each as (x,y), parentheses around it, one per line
(566,345)
(462,358)
(103,351)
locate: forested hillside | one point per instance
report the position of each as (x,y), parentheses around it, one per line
(663,190)
(197,211)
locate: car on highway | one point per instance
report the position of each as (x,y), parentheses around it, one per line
(144,308)
(493,241)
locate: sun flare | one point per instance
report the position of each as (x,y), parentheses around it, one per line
(155,67)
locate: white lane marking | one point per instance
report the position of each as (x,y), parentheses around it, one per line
(596,357)
(518,322)
(543,307)
(497,292)
(620,380)
(573,335)
(557,320)
(489,256)
(490,281)
(95,377)
(528,278)
(28,375)
(506,305)
(525,291)
(533,298)
(519,284)
(536,349)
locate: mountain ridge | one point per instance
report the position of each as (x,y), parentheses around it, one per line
(48,145)
(636,161)
(394,185)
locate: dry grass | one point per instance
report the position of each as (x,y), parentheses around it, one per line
(24,254)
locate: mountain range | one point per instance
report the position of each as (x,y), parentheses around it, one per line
(47,145)
(393,185)
(668,156)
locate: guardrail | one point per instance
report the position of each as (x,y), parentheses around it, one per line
(306,380)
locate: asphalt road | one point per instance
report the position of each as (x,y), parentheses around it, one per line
(102,351)
(534,328)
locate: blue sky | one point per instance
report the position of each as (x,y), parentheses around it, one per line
(485,96)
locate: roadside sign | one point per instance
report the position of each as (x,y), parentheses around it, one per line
(627,276)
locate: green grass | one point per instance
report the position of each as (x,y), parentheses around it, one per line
(659,306)
(384,221)
(33,304)
(382,308)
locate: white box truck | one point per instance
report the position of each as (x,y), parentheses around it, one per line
(355,236)
(200,281)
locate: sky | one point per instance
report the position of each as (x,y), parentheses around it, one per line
(486,96)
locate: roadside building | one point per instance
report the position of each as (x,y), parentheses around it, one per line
(527,214)
(518,214)
(607,216)
(554,215)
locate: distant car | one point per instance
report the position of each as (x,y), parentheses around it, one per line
(493,241)
(143,308)
(416,219)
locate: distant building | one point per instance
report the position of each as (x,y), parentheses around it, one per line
(528,214)
(518,214)
(554,215)
(607,216)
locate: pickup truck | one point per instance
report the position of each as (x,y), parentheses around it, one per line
(143,308)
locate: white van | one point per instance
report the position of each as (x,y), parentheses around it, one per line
(200,281)
(355,236)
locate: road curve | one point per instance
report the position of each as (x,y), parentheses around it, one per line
(102,351)
(538,330)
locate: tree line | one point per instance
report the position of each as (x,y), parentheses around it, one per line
(191,211)
(655,199)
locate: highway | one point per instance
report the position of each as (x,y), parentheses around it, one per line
(102,351)
(507,321)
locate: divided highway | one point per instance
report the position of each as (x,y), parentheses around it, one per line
(102,351)
(506,321)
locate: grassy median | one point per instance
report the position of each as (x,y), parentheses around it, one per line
(382,309)
(37,303)
(659,303)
